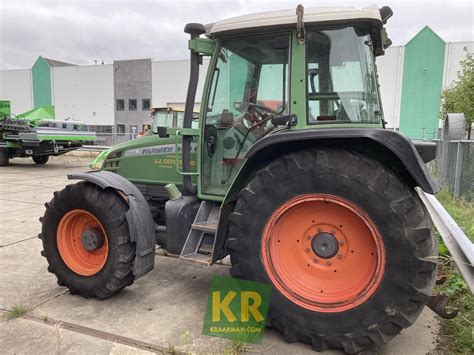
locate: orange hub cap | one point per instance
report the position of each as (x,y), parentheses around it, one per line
(82,242)
(323,253)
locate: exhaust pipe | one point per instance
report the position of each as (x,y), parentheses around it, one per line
(194,30)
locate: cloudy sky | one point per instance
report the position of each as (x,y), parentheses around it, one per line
(81,31)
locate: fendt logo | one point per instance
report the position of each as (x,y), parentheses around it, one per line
(237,309)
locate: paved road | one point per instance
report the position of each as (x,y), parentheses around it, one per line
(160,312)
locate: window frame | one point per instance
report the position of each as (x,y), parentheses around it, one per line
(130,104)
(143,104)
(213,63)
(117,104)
(206,95)
(335,122)
(117,128)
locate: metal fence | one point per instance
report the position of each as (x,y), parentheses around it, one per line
(454,167)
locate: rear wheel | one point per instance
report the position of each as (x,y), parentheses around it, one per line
(345,242)
(4,158)
(40,159)
(86,240)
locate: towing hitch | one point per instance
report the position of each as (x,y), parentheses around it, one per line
(437,303)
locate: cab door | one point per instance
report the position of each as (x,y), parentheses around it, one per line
(249,86)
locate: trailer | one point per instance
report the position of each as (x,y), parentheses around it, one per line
(37,134)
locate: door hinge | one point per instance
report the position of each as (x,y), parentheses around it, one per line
(300,30)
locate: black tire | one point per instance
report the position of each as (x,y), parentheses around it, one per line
(393,206)
(4,158)
(40,159)
(109,208)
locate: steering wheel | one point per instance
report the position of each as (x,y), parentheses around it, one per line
(259,108)
(263,112)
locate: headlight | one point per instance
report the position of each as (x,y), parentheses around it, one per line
(96,164)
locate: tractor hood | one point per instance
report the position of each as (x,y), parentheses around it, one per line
(131,148)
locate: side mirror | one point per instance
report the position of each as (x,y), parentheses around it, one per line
(385,13)
(287,120)
(162,132)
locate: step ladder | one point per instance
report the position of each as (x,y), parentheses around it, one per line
(199,244)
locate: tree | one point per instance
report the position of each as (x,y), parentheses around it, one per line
(459,97)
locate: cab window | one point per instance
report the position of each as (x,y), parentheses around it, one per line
(342,84)
(249,87)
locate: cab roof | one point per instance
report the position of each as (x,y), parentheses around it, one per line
(288,17)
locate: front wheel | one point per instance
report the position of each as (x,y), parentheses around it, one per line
(346,244)
(40,159)
(86,240)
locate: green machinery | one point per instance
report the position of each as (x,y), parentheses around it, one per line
(38,134)
(288,170)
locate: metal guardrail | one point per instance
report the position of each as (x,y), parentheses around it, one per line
(458,244)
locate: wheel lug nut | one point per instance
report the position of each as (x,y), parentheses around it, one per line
(339,256)
(341,242)
(307,250)
(320,230)
(329,263)
(316,261)
(308,237)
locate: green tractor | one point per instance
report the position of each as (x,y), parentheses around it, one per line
(290,172)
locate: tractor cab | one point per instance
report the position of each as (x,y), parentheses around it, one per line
(282,71)
(169,117)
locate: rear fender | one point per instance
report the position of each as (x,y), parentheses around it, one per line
(390,147)
(139,218)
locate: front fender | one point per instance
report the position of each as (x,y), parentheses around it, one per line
(139,218)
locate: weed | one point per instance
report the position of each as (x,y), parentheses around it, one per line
(186,339)
(236,347)
(58,333)
(17,311)
(461,211)
(172,350)
(456,334)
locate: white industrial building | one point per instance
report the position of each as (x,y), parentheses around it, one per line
(89,93)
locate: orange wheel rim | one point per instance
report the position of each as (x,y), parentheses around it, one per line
(82,242)
(323,253)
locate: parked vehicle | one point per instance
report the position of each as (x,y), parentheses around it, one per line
(37,134)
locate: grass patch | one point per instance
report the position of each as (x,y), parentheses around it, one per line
(17,311)
(461,211)
(236,347)
(456,334)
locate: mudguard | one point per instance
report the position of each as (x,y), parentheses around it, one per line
(390,147)
(395,142)
(139,218)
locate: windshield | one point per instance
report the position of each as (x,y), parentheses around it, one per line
(171,119)
(342,85)
(249,87)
